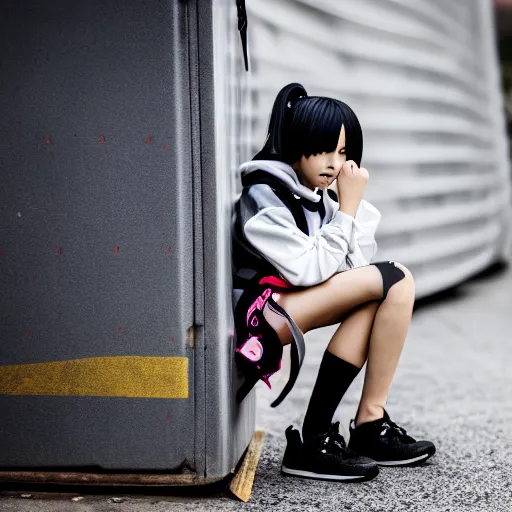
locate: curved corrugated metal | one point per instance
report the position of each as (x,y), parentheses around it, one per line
(422,77)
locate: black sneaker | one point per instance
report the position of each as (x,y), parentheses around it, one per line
(388,444)
(326,457)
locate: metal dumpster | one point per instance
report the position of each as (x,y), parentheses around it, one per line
(115,303)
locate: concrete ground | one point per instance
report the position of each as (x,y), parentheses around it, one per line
(452,387)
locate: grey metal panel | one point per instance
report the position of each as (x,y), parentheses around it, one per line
(194,14)
(94,154)
(228,428)
(94,433)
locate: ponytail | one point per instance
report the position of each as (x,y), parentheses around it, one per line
(280,119)
(302,125)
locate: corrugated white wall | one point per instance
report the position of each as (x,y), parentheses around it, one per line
(422,77)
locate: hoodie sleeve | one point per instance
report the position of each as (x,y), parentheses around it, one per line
(301,259)
(366,222)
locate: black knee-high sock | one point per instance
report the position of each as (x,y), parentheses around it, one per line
(334,377)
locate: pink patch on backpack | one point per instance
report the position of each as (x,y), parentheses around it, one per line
(265,378)
(266,381)
(252,349)
(258,303)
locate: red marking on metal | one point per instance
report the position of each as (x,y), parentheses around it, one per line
(166,146)
(169,250)
(58,251)
(102,139)
(48,139)
(148,140)
(172,338)
(167,417)
(119,330)
(30,334)
(116,249)
(1,250)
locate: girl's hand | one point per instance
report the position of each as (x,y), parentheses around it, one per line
(351,183)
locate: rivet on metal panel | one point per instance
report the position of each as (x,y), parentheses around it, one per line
(116,249)
(191,337)
(102,139)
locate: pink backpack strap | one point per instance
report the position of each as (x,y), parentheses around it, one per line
(275,281)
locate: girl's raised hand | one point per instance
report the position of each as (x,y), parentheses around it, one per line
(351,183)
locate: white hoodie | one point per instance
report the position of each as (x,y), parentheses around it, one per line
(335,243)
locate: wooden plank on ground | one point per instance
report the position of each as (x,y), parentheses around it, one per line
(241,484)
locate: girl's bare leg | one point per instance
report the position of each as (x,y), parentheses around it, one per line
(339,298)
(339,366)
(351,339)
(386,342)
(327,303)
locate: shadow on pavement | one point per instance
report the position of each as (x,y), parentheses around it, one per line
(458,292)
(65,491)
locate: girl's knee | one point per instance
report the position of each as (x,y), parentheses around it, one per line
(396,281)
(404,289)
(404,269)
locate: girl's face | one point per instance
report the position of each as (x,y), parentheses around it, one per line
(322,169)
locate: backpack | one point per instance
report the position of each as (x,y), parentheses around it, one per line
(282,192)
(242,250)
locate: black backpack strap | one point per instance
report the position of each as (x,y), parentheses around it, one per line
(297,351)
(332,194)
(282,192)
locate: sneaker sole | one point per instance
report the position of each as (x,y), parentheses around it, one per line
(338,478)
(415,460)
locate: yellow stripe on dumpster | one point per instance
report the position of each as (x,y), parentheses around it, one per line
(123,376)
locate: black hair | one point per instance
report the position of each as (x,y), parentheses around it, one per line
(307,125)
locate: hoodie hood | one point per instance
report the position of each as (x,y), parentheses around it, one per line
(284,172)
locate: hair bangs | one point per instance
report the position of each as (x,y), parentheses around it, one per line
(318,122)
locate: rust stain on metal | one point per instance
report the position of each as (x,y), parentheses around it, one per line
(63,477)
(191,337)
